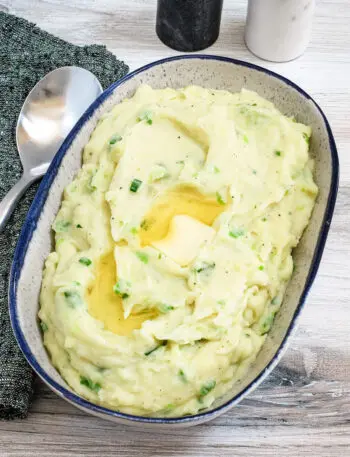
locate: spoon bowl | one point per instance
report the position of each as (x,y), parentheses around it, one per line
(48,114)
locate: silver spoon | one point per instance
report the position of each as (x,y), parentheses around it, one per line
(48,114)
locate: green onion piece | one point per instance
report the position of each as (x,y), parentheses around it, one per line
(142,256)
(155,348)
(216,169)
(206,388)
(204,266)
(236,233)
(43,326)
(219,199)
(163,308)
(134,230)
(267,323)
(91,187)
(245,139)
(79,226)
(61,226)
(122,288)
(182,376)
(135,184)
(152,350)
(115,138)
(146,116)
(261,267)
(169,407)
(278,153)
(73,298)
(85,261)
(275,301)
(158,172)
(94,386)
(306,138)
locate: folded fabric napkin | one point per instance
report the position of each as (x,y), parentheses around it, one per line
(26,55)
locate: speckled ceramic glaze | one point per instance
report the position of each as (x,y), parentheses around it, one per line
(35,241)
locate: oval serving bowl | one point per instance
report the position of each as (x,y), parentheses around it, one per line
(35,241)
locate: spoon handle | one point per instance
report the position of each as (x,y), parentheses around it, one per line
(10,200)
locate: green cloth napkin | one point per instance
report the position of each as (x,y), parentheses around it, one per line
(27,53)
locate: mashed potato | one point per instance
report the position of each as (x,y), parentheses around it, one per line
(173,248)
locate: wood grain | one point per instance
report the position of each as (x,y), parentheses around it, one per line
(303,408)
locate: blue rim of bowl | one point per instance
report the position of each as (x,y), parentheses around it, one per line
(39,201)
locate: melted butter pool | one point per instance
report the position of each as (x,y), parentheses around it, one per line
(184,200)
(105,306)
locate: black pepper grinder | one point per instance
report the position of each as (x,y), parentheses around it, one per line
(188,25)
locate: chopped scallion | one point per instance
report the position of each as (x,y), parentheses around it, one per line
(43,326)
(155,348)
(114,139)
(90,186)
(219,199)
(61,226)
(142,256)
(182,376)
(146,116)
(267,323)
(236,233)
(94,386)
(85,261)
(306,138)
(206,388)
(122,288)
(158,172)
(275,301)
(135,184)
(163,308)
(73,298)
(204,267)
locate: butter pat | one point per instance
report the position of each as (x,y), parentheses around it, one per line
(185,237)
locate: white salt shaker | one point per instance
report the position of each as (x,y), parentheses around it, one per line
(278,30)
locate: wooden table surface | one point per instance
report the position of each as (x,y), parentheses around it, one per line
(303,409)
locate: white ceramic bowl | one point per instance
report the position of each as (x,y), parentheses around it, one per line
(35,241)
